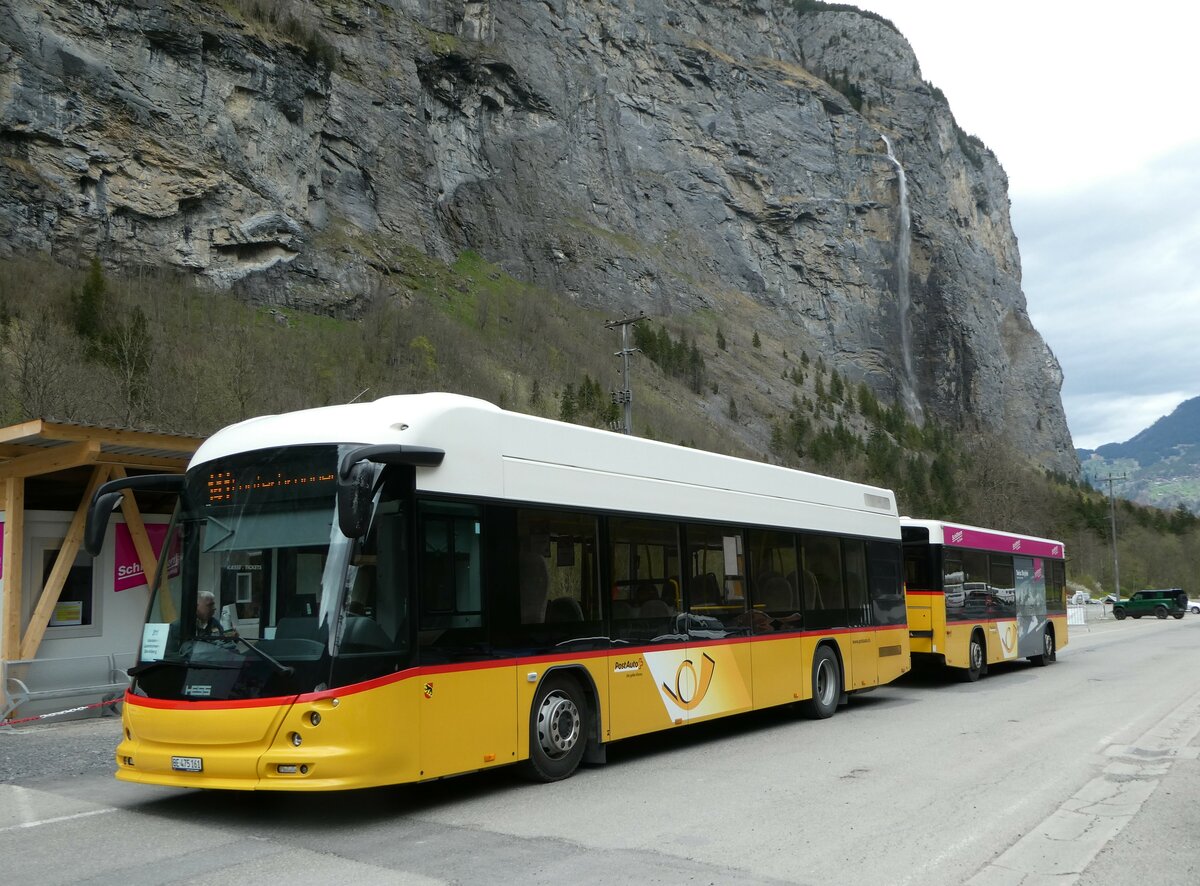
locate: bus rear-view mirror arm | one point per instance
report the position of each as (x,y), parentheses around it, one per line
(108,497)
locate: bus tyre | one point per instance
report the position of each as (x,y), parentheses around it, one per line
(1160,611)
(558,729)
(1049,654)
(826,685)
(976,660)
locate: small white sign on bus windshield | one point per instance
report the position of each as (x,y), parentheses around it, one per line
(154,641)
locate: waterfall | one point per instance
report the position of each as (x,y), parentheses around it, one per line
(903,251)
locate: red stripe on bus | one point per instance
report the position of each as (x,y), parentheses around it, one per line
(460,667)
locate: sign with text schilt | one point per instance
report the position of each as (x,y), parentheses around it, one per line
(127,568)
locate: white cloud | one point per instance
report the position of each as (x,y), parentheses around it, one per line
(1112,278)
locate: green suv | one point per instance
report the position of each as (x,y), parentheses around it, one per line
(1171,601)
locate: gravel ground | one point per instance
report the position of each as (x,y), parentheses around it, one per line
(58,750)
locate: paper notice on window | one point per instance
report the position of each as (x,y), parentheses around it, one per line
(154,641)
(69,612)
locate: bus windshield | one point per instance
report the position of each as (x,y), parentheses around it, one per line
(252,581)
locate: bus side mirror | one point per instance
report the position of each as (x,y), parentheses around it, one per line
(97,520)
(356,479)
(108,496)
(355,492)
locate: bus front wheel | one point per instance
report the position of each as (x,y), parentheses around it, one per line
(976,660)
(826,685)
(558,730)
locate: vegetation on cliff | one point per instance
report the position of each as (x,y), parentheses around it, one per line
(154,351)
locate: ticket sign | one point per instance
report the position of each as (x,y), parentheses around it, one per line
(127,568)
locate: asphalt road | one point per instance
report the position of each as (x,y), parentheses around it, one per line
(1084,772)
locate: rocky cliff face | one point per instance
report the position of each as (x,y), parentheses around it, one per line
(686,157)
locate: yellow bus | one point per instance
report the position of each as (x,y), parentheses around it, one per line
(428,585)
(980,596)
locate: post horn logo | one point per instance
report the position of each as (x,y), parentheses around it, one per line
(689,691)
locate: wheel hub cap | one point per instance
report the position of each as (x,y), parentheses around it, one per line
(558,725)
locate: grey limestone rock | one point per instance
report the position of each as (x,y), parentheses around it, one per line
(670,156)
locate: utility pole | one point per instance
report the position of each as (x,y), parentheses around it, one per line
(624,397)
(1112,517)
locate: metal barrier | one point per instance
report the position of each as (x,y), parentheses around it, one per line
(33,680)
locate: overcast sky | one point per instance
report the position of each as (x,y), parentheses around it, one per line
(1092,115)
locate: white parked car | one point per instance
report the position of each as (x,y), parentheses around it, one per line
(1194,606)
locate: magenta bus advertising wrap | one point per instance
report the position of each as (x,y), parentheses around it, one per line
(981,540)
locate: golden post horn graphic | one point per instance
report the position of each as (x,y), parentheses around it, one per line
(707,666)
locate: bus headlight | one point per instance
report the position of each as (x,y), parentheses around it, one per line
(296,739)
(315,718)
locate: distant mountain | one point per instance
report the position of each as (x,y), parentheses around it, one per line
(1167,437)
(1162,462)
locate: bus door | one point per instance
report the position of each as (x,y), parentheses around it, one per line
(1030,574)
(645,611)
(714,677)
(468,707)
(863,644)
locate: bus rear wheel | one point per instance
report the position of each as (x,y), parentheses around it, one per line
(976,660)
(1048,651)
(558,730)
(826,685)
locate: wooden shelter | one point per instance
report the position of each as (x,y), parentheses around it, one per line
(57,466)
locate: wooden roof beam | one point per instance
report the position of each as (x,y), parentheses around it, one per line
(48,461)
(112,437)
(20,432)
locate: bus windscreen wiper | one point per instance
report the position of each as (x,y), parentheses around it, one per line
(286,670)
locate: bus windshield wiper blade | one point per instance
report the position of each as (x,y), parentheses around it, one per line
(286,670)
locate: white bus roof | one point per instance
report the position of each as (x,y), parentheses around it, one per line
(964,536)
(495,454)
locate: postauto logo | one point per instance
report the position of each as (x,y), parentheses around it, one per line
(697,684)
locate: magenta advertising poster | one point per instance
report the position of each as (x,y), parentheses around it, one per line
(127,568)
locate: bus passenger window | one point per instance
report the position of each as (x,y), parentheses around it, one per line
(558,576)
(715,580)
(858,606)
(449,576)
(824,595)
(644,560)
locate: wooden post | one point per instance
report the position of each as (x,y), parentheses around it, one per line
(14,535)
